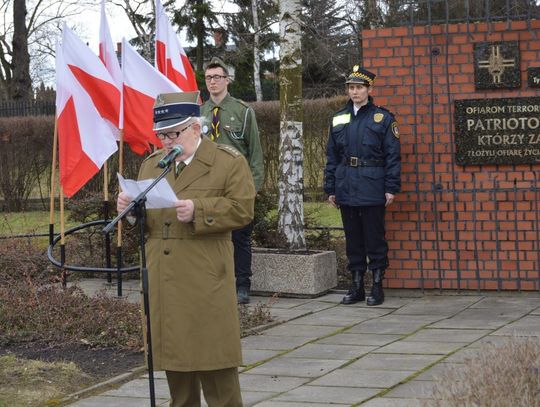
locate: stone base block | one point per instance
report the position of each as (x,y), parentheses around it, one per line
(290,274)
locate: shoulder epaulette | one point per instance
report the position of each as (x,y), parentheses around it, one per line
(157,152)
(385,109)
(240,101)
(229,149)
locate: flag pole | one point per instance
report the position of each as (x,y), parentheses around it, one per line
(62,238)
(119,226)
(106,210)
(53,179)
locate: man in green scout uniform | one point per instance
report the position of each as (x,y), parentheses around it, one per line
(232,122)
(361,178)
(193,310)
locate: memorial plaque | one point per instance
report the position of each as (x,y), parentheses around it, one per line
(496,65)
(498,131)
(533,76)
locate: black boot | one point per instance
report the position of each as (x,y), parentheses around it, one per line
(356,292)
(377,295)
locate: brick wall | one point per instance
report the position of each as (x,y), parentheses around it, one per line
(454,227)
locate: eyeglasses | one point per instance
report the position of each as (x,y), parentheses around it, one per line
(172,135)
(217,78)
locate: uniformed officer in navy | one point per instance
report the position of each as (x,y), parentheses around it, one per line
(232,122)
(361,178)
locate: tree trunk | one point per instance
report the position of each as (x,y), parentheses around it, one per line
(256,57)
(291,188)
(21,84)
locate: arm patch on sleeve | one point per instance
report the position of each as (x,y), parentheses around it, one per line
(341,119)
(395,129)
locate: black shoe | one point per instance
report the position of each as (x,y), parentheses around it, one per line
(377,294)
(356,292)
(242,295)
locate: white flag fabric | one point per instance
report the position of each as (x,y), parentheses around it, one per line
(85,139)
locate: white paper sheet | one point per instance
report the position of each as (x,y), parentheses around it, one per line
(161,196)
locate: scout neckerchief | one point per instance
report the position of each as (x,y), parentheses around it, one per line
(215,123)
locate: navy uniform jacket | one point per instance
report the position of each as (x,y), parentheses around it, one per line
(372,137)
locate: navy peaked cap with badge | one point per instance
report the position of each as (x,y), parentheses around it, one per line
(361,76)
(172,109)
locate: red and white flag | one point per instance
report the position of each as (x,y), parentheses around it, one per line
(92,75)
(171,59)
(142,84)
(85,139)
(107,53)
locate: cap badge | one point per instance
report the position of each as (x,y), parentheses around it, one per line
(377,118)
(160,100)
(355,68)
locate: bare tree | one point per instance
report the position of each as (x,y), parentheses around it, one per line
(256,52)
(291,188)
(141,15)
(21,84)
(26,37)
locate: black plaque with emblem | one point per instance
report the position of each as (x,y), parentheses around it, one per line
(533,77)
(496,65)
(498,131)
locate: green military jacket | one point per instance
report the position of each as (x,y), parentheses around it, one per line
(237,128)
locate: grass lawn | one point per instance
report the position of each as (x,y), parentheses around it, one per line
(18,223)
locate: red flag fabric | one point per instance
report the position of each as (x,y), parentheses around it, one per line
(171,59)
(92,75)
(85,139)
(142,84)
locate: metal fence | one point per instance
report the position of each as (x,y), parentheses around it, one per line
(26,108)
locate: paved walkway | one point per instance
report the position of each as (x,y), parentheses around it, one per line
(326,354)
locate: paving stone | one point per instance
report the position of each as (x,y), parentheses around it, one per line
(313,332)
(527,326)
(286,314)
(429,348)
(480,318)
(297,367)
(278,384)
(252,356)
(437,371)
(388,402)
(273,403)
(384,361)
(104,401)
(521,302)
(447,335)
(347,338)
(252,398)
(442,305)
(281,302)
(315,306)
(271,342)
(361,378)
(463,355)
(418,389)
(140,388)
(393,324)
(318,351)
(311,394)
(339,316)
(334,298)
(490,340)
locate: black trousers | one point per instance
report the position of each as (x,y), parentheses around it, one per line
(364,236)
(241,239)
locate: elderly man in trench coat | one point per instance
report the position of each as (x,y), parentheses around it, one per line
(193,311)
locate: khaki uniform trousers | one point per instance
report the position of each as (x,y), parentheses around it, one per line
(221,388)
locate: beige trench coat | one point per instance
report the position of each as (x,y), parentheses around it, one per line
(193,311)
